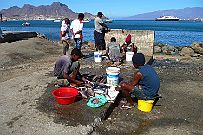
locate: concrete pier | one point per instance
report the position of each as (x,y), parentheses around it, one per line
(143,39)
(12,36)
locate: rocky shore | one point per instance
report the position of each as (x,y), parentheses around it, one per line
(195,50)
(26,71)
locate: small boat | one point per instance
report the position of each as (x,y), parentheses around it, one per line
(86,20)
(26,24)
(108,21)
(167,18)
(50,19)
(57,20)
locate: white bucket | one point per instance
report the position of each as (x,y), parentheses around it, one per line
(97,56)
(129,56)
(113,75)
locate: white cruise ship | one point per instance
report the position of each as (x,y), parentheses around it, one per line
(167,18)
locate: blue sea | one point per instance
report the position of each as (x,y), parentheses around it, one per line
(175,33)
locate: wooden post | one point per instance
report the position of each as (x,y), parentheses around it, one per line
(1,18)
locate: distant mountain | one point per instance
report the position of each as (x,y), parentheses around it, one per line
(55,10)
(186,13)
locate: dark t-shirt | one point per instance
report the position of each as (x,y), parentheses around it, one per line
(150,82)
(62,65)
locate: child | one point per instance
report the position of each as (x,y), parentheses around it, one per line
(113,51)
(146,81)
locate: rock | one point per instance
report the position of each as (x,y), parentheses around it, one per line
(39,35)
(169,50)
(187,51)
(197,47)
(157,49)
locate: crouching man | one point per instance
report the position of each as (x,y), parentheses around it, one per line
(146,82)
(67,67)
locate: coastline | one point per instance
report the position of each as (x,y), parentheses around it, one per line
(26,70)
(172,33)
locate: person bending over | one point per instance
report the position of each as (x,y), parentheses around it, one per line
(67,67)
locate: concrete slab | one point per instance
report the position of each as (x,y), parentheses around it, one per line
(12,36)
(79,113)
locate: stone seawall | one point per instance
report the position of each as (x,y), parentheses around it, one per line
(143,39)
(12,36)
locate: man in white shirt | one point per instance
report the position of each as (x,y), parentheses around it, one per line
(99,33)
(76,30)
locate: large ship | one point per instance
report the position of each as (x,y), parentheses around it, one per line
(167,18)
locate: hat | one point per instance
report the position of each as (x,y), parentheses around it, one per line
(128,39)
(99,13)
(138,59)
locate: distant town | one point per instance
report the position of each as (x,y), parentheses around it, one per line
(58,11)
(55,18)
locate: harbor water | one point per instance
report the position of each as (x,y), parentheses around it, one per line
(175,33)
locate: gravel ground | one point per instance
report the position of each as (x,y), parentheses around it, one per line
(179,111)
(26,69)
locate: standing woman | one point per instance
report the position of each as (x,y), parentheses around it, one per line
(65,35)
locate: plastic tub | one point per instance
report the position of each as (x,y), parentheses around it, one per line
(129,56)
(145,105)
(65,95)
(113,75)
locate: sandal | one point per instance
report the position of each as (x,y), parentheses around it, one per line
(126,107)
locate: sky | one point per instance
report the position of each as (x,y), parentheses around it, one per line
(110,8)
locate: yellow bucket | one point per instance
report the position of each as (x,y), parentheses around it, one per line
(145,105)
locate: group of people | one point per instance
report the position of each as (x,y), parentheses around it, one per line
(145,82)
(116,53)
(75,28)
(114,50)
(67,66)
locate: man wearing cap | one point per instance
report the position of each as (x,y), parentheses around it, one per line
(99,33)
(146,82)
(67,66)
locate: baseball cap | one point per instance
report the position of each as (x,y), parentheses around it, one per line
(99,13)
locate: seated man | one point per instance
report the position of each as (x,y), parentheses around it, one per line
(67,67)
(128,46)
(146,81)
(113,51)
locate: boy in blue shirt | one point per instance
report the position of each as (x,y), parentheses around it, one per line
(146,82)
